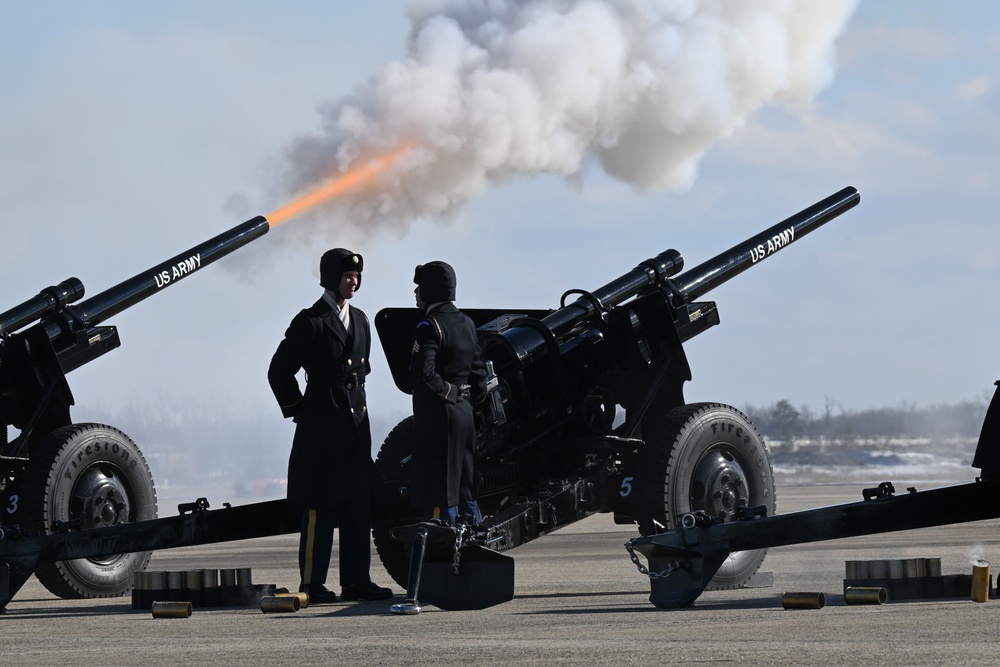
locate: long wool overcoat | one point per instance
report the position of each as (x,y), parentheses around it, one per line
(331,416)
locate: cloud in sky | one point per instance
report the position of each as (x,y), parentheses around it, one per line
(973,89)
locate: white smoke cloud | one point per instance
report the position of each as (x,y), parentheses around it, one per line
(976,555)
(494,89)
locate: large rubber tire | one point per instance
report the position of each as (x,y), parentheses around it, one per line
(709,457)
(397,446)
(96,475)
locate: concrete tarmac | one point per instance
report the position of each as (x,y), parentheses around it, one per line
(579,600)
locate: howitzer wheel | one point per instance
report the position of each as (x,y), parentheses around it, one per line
(398,445)
(708,457)
(96,475)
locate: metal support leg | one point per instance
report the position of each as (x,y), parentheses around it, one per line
(411,605)
(4,587)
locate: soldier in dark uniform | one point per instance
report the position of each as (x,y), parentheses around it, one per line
(446,372)
(987,455)
(330,463)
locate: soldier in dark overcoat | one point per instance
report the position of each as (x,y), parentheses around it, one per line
(329,466)
(447,374)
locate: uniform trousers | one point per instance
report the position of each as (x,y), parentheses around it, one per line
(355,523)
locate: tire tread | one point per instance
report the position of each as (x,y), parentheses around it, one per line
(40,475)
(677,422)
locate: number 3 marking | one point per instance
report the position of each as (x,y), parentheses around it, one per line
(13,504)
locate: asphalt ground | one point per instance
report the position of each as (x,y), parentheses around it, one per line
(579,600)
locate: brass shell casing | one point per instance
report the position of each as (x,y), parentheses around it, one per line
(980,581)
(171,609)
(303,598)
(803,600)
(275,603)
(865,595)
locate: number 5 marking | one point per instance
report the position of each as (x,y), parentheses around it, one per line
(626,487)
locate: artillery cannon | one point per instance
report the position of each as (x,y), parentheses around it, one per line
(593,415)
(684,559)
(589,416)
(56,475)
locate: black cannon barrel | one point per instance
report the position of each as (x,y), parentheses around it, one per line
(710,274)
(651,272)
(114,300)
(49,300)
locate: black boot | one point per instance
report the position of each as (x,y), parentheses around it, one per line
(318,593)
(366,591)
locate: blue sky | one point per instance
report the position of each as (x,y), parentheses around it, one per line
(133,131)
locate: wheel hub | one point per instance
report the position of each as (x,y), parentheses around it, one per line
(100,499)
(718,485)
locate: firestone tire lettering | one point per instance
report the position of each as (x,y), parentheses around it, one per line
(94,474)
(707,457)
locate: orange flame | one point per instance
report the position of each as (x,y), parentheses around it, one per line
(355,177)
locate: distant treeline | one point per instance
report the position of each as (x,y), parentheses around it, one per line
(783,422)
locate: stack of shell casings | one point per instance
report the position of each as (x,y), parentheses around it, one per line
(232,587)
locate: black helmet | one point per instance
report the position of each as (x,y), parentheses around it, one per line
(336,262)
(436,281)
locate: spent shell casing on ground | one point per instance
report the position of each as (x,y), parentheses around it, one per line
(210,591)
(140,591)
(191,582)
(980,581)
(914,567)
(227,576)
(865,595)
(175,585)
(303,598)
(171,609)
(276,603)
(803,600)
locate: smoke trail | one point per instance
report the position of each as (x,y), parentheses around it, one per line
(493,89)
